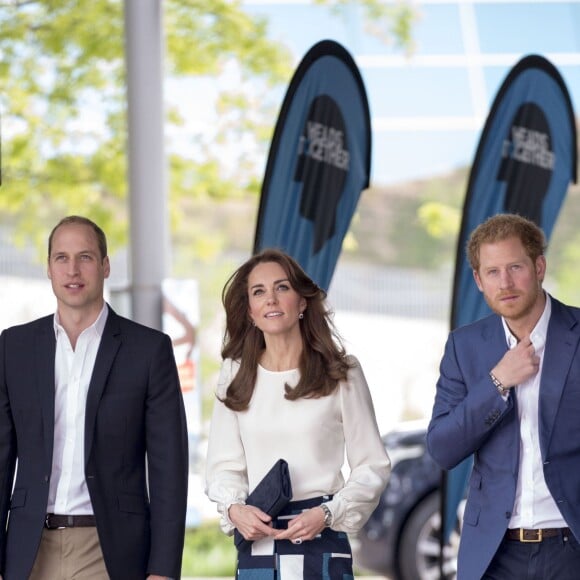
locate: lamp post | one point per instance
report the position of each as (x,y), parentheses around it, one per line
(149,237)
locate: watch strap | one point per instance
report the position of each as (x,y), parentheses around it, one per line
(503,391)
(327,515)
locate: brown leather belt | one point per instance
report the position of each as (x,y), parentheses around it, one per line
(55,522)
(522,535)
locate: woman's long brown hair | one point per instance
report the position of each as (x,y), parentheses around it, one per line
(323,362)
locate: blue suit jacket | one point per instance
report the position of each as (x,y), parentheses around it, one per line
(470,417)
(134,408)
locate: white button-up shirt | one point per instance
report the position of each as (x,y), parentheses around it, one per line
(534,506)
(68,493)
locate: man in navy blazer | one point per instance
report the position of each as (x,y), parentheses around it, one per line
(509,393)
(93,439)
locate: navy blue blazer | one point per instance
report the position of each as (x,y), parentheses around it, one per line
(134,409)
(470,417)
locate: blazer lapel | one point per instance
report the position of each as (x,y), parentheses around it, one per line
(561,343)
(110,343)
(45,345)
(493,335)
(496,346)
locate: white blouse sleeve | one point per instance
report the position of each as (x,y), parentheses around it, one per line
(226,474)
(368,460)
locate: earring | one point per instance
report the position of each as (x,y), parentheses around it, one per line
(301,315)
(253,322)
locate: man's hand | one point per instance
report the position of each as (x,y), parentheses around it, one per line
(518,364)
(250,521)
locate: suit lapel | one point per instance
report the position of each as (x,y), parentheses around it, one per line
(493,335)
(45,346)
(110,343)
(561,343)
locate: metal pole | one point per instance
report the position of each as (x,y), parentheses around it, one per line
(149,238)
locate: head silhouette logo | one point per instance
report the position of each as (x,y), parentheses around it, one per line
(527,162)
(322,166)
(319,162)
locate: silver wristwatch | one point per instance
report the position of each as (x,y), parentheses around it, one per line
(503,391)
(327,515)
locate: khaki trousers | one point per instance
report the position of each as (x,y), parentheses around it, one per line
(69,554)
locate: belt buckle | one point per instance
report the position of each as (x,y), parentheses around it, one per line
(535,540)
(48,526)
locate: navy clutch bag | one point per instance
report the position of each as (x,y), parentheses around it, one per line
(271,495)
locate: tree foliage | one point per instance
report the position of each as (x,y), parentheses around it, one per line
(63,103)
(390,21)
(62,71)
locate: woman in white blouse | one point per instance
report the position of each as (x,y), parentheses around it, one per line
(287,389)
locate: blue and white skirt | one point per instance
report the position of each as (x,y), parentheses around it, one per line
(326,557)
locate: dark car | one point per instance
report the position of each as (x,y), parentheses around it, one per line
(401,538)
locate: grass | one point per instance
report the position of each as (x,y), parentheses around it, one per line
(208,552)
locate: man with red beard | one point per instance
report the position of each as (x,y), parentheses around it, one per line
(509,394)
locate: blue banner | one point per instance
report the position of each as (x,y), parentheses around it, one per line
(319,162)
(524,163)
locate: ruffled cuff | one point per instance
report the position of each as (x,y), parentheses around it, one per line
(345,519)
(226,525)
(353,504)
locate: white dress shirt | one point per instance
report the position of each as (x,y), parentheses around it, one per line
(312,435)
(68,493)
(534,506)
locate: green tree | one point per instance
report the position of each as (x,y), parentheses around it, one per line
(62,73)
(391,22)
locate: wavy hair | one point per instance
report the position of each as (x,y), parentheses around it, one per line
(323,363)
(501,227)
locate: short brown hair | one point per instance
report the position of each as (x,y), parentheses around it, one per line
(501,227)
(83,221)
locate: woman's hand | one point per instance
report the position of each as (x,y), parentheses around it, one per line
(250,521)
(305,526)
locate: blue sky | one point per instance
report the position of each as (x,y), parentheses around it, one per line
(428,110)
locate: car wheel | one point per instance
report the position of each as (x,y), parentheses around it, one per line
(419,549)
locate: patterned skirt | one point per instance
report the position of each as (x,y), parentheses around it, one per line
(326,557)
